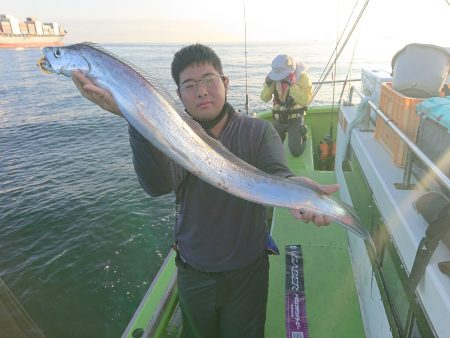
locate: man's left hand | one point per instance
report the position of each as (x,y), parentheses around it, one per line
(318,219)
(93,93)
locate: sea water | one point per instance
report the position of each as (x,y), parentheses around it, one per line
(80,241)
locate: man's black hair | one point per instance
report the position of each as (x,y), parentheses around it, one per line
(194,54)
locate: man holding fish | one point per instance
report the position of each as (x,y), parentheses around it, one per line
(220,238)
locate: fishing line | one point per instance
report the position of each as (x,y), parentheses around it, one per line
(245,46)
(331,56)
(341,49)
(348,72)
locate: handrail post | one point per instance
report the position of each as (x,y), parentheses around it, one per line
(406,184)
(350,95)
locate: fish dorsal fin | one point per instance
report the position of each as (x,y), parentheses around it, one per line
(194,125)
(153,81)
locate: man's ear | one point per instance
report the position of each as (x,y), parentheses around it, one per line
(226,83)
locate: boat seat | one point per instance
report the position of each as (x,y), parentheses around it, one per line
(444,267)
(435,209)
(431,205)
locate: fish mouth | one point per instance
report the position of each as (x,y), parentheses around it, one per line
(44,65)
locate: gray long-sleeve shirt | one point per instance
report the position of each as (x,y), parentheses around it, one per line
(216,231)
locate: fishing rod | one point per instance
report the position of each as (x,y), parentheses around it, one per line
(330,67)
(338,42)
(245,47)
(317,88)
(328,140)
(333,77)
(348,72)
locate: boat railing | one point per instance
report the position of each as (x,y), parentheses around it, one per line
(334,81)
(412,148)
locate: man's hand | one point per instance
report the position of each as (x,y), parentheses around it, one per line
(308,216)
(268,81)
(289,103)
(99,96)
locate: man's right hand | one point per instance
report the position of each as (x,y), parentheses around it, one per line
(98,95)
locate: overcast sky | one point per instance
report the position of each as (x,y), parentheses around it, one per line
(186,21)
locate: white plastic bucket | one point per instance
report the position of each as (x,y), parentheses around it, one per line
(420,70)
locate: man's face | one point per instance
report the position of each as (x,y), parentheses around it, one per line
(202,99)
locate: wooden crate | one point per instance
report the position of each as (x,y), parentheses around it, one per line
(402,111)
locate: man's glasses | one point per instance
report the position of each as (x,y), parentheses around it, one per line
(209,80)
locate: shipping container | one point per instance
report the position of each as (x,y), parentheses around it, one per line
(6,27)
(55,27)
(14,25)
(46,29)
(23,28)
(29,33)
(38,25)
(31,28)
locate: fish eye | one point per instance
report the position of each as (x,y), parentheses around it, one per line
(57,52)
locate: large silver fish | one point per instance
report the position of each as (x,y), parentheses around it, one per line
(161,120)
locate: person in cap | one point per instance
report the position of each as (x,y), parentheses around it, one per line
(290,88)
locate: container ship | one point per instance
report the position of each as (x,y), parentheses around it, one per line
(29,33)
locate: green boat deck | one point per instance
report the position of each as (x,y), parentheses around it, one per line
(332,307)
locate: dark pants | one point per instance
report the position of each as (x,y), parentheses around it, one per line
(228,304)
(296,131)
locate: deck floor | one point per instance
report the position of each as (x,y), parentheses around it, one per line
(332,307)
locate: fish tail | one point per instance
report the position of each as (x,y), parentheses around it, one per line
(354,223)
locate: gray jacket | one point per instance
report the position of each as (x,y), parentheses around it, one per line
(215,231)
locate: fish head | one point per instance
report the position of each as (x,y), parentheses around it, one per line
(63,60)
